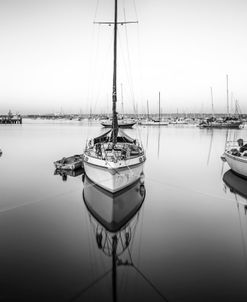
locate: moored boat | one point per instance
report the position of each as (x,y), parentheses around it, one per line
(72,173)
(69,163)
(153,123)
(114,160)
(236,157)
(121,123)
(113,166)
(227,123)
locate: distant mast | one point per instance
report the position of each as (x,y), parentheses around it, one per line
(114,84)
(227,95)
(148,109)
(212,100)
(159,106)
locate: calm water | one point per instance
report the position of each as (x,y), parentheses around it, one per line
(187,241)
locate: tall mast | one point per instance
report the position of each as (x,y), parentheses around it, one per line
(148,109)
(159,106)
(227,95)
(114,85)
(212,100)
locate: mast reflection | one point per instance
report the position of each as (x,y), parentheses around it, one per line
(114,218)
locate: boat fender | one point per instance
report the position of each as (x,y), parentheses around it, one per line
(141,159)
(85,158)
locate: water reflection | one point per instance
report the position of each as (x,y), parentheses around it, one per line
(65,173)
(114,218)
(237,186)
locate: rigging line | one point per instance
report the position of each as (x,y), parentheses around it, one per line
(93,63)
(129,62)
(151,284)
(102,73)
(210,147)
(90,285)
(187,189)
(96,10)
(140,65)
(134,2)
(140,237)
(40,200)
(87,223)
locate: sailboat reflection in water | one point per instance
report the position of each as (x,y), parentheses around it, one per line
(238,187)
(114,219)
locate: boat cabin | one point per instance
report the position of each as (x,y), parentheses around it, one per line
(102,147)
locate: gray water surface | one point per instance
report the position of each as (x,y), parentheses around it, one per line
(188,238)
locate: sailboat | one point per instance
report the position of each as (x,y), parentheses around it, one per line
(229,122)
(154,122)
(123,122)
(236,158)
(114,160)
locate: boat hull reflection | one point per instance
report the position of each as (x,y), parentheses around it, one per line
(236,184)
(113,210)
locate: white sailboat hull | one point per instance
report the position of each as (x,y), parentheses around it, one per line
(237,163)
(152,123)
(111,176)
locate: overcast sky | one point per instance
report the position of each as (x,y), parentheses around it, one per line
(53,58)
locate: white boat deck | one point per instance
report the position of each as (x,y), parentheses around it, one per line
(121,151)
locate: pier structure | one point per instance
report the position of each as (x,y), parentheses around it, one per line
(10,119)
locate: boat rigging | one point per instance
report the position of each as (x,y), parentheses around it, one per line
(114,160)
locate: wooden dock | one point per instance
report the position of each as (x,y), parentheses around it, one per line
(6,119)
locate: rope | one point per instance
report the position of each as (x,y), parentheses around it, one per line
(187,189)
(96,10)
(90,285)
(150,283)
(40,200)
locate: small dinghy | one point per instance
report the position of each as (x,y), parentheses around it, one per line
(69,163)
(71,173)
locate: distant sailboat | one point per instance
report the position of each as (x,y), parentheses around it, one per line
(154,122)
(226,122)
(123,122)
(114,160)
